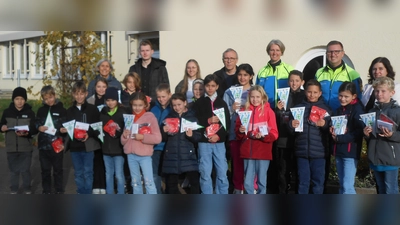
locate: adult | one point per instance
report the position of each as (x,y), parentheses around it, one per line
(104,67)
(335,73)
(152,71)
(276,73)
(185,86)
(227,75)
(380,67)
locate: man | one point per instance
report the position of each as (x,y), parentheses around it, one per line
(335,73)
(227,74)
(152,71)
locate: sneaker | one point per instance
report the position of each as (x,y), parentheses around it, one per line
(13,192)
(237,192)
(255,192)
(27,192)
(96,191)
(102,191)
(46,193)
(59,192)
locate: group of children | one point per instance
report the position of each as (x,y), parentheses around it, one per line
(174,138)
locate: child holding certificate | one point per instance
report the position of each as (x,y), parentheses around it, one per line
(346,131)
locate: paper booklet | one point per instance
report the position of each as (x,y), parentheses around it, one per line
(244,117)
(237,94)
(339,124)
(186,124)
(98,126)
(128,120)
(369,120)
(220,113)
(283,94)
(382,124)
(50,125)
(298,114)
(70,128)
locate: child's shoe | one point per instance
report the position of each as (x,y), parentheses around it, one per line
(96,191)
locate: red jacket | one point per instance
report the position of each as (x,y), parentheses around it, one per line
(258,148)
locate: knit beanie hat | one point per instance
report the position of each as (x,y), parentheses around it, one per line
(111,93)
(19,92)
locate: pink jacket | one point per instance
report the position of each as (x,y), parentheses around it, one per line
(144,147)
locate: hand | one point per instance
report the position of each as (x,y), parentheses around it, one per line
(235,106)
(139,137)
(213,138)
(4,128)
(320,123)
(189,132)
(295,123)
(42,128)
(332,130)
(242,129)
(280,105)
(166,129)
(214,119)
(259,135)
(126,134)
(367,130)
(21,134)
(385,132)
(86,137)
(63,130)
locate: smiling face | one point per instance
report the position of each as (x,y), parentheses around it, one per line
(275,53)
(313,93)
(130,85)
(138,106)
(295,82)
(79,97)
(345,98)
(334,54)
(379,70)
(255,98)
(101,88)
(191,70)
(104,69)
(49,99)
(163,98)
(198,90)
(230,60)
(179,106)
(244,78)
(111,103)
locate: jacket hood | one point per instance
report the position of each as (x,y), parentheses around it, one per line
(391,104)
(56,104)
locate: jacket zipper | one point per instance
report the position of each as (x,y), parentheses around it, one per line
(394,154)
(16,137)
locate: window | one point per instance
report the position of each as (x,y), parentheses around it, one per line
(134,39)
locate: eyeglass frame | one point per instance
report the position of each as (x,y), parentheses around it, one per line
(229,59)
(336,52)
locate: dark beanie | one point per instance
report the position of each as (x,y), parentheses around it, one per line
(111,93)
(19,92)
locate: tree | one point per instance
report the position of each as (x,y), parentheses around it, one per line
(69,56)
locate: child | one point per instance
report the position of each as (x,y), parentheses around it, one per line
(19,142)
(347,147)
(132,84)
(100,87)
(48,157)
(82,150)
(161,109)
(112,148)
(211,147)
(284,157)
(198,91)
(385,146)
(309,145)
(180,155)
(256,147)
(139,147)
(245,77)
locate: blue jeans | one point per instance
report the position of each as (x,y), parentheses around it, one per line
(209,153)
(136,163)
(346,169)
(387,181)
(114,165)
(83,166)
(156,158)
(253,167)
(311,171)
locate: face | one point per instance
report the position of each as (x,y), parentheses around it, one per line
(313,93)
(104,69)
(49,99)
(19,102)
(275,53)
(334,54)
(79,97)
(191,69)
(198,90)
(111,103)
(163,98)
(130,84)
(146,52)
(230,60)
(101,88)
(138,106)
(244,78)
(345,97)
(379,70)
(211,88)
(255,98)
(383,94)
(295,82)
(179,106)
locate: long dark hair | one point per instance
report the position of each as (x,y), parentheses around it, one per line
(386,63)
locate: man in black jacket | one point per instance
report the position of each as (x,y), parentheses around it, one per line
(227,75)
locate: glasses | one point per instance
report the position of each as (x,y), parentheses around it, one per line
(336,52)
(229,59)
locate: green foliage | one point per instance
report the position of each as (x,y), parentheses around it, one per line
(68,56)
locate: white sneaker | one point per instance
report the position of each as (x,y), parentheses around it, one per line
(96,191)
(237,192)
(255,192)
(102,191)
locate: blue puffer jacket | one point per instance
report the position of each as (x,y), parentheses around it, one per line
(349,144)
(160,113)
(311,143)
(180,155)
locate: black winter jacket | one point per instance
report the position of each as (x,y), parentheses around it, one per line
(59,115)
(112,145)
(180,155)
(222,81)
(125,97)
(312,142)
(12,117)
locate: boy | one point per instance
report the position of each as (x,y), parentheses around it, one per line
(18,141)
(52,108)
(310,149)
(82,150)
(161,110)
(385,146)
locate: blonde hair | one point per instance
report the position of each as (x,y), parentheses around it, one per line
(264,97)
(382,81)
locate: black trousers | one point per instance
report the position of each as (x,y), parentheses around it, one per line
(287,169)
(172,182)
(19,163)
(99,171)
(51,160)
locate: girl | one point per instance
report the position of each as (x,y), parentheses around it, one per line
(180,155)
(212,144)
(245,77)
(347,147)
(192,72)
(113,122)
(132,84)
(139,147)
(198,91)
(99,179)
(256,148)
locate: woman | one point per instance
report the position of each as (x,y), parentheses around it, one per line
(192,72)
(104,67)
(380,67)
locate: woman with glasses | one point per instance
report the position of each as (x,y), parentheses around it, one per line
(185,86)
